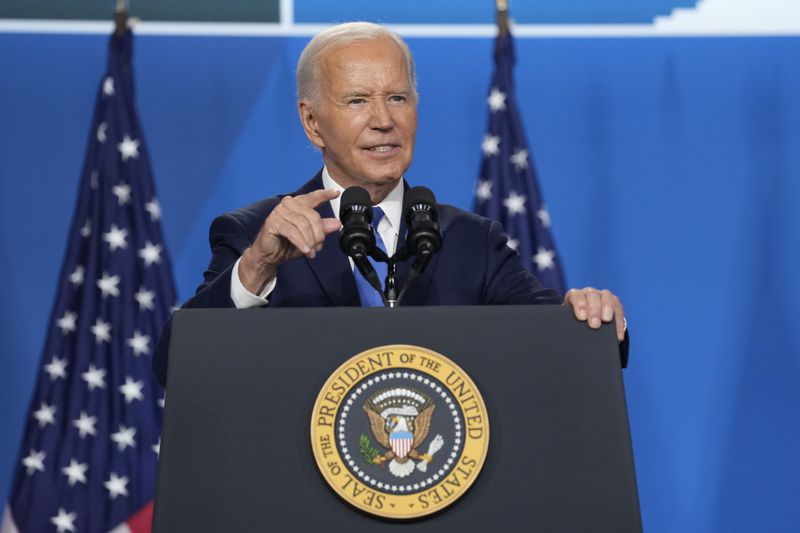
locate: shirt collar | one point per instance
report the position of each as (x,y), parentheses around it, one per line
(392,205)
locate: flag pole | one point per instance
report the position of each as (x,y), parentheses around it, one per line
(120,18)
(502,17)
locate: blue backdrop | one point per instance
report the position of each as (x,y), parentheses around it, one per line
(670,167)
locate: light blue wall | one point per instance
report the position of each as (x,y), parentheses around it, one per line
(670,166)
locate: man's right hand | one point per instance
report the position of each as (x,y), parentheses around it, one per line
(293,229)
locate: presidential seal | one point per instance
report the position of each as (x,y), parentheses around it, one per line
(399,431)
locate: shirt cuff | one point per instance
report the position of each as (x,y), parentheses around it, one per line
(244,299)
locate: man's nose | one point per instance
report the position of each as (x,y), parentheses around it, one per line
(381,116)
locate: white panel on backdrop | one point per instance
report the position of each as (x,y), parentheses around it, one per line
(735,16)
(707,17)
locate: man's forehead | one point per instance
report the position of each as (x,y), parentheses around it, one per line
(380,58)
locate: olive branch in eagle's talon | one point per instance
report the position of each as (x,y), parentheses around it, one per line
(369,452)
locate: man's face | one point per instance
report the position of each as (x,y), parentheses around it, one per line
(366,119)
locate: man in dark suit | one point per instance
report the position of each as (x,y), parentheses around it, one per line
(357,102)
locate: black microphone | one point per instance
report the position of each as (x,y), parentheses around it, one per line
(355,214)
(424,238)
(357,239)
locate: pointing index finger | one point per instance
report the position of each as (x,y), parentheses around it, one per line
(315,198)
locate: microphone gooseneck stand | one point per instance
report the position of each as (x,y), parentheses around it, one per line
(358,240)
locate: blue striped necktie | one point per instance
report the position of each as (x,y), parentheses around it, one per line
(369,296)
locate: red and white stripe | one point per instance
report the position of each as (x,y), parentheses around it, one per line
(401,446)
(8,525)
(140,522)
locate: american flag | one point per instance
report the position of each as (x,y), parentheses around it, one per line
(507,188)
(88,458)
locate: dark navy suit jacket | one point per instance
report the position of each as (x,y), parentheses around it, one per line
(474,266)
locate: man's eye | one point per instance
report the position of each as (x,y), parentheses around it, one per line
(356,101)
(398,98)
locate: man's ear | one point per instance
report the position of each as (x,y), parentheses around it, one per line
(308,117)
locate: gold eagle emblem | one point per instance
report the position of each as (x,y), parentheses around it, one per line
(400,420)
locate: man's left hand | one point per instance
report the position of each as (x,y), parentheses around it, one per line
(595,307)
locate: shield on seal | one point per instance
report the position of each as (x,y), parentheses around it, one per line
(401,442)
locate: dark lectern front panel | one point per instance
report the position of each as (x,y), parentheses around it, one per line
(236,454)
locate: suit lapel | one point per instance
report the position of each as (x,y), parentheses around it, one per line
(418,293)
(330,266)
(404,267)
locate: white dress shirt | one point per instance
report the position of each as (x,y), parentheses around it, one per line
(388,228)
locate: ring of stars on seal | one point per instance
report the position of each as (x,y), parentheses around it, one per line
(434,476)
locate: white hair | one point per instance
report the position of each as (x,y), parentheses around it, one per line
(341,35)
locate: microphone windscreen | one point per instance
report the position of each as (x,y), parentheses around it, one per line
(419,196)
(354,196)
